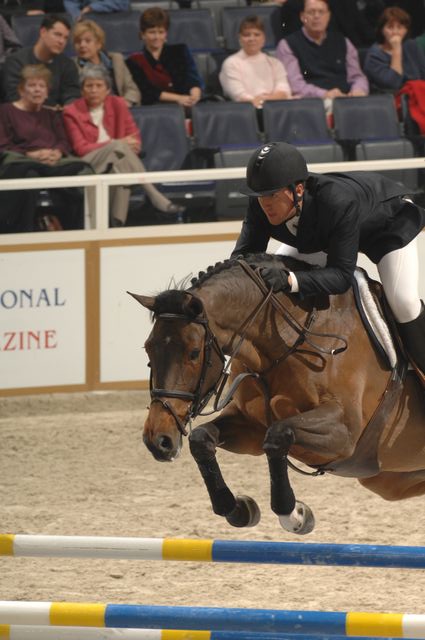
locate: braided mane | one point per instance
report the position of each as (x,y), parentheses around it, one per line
(174,300)
(254,259)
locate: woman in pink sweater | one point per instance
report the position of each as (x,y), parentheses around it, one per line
(103,133)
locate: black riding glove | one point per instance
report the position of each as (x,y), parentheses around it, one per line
(276,278)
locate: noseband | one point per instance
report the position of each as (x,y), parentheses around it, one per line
(213,355)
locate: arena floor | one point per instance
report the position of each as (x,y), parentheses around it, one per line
(75,464)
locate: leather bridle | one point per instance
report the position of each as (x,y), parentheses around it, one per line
(213,357)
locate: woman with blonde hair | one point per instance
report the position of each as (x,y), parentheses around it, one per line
(89,43)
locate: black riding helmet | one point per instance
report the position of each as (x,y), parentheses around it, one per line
(272,167)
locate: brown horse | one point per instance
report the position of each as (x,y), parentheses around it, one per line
(305,381)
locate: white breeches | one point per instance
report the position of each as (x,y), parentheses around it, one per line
(399,273)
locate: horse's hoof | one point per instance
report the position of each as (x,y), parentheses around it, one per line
(300,521)
(245,514)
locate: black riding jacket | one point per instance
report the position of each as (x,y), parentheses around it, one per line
(342,214)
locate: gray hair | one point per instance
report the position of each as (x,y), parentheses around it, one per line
(95,72)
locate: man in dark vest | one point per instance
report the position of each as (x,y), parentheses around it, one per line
(340,215)
(321,63)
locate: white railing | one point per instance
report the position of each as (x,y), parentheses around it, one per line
(98,220)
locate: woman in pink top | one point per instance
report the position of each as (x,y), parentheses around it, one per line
(250,75)
(102,132)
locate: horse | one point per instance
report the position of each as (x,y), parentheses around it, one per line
(302,378)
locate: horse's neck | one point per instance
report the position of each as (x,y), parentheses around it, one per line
(240,322)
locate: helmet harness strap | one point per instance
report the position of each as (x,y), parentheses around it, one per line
(297,198)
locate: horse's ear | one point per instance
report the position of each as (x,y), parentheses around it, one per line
(193,307)
(145,301)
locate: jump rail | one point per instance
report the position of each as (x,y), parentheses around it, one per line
(29,632)
(359,555)
(133,616)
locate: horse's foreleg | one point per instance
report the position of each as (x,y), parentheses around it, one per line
(322,430)
(294,516)
(239,511)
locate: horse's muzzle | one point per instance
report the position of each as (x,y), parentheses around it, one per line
(162,446)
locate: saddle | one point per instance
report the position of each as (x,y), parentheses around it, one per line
(380,323)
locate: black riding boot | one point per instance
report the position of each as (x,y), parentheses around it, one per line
(413,336)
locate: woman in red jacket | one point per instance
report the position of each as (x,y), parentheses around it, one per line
(103,133)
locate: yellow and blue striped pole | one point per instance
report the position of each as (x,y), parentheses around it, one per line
(237,551)
(129,616)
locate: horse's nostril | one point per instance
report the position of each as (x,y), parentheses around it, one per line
(165,443)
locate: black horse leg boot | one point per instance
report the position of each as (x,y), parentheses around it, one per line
(413,336)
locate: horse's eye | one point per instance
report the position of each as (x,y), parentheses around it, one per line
(194,355)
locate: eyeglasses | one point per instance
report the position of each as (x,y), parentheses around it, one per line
(317,12)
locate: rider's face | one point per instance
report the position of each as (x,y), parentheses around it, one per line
(280,207)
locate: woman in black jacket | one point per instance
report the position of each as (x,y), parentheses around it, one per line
(163,72)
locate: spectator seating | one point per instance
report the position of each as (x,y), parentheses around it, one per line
(231,204)
(400,148)
(327,152)
(164,139)
(141,5)
(216,7)
(366,119)
(229,130)
(209,64)
(231,18)
(166,145)
(27,29)
(225,125)
(194,27)
(121,29)
(302,123)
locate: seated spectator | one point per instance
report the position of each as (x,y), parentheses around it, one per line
(78,8)
(319,62)
(8,40)
(250,75)
(54,33)
(346,17)
(395,58)
(103,133)
(163,72)
(89,43)
(33,142)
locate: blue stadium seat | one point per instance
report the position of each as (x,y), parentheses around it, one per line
(121,29)
(225,124)
(167,146)
(301,123)
(390,149)
(193,27)
(365,119)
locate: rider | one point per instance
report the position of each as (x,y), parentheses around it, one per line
(339,214)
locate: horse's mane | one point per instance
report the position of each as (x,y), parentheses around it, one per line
(253,259)
(175,300)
